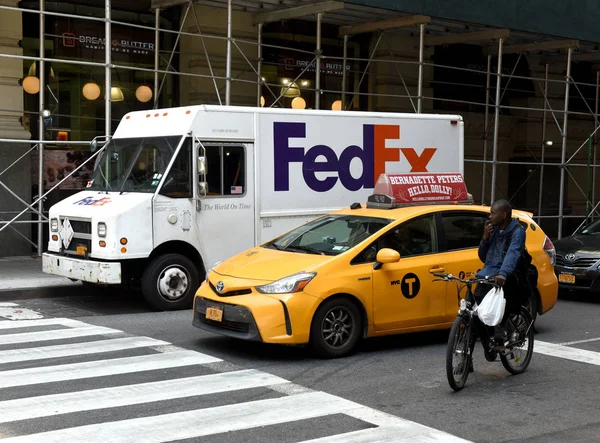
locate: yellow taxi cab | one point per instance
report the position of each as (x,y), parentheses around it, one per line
(363,271)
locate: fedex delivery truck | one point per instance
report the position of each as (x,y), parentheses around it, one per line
(176,190)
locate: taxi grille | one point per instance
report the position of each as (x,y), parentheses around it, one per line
(579,262)
(229,293)
(229,324)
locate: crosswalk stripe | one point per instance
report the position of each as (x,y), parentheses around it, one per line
(561,351)
(200,422)
(402,433)
(102,368)
(56,404)
(7,305)
(68,350)
(67,322)
(57,334)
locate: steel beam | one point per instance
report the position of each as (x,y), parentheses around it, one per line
(156,54)
(420,86)
(486,125)
(318,63)
(228,60)
(493,34)
(296,12)
(210,68)
(543,157)
(561,206)
(344,61)
(539,47)
(42,106)
(107,73)
(382,25)
(259,64)
(496,123)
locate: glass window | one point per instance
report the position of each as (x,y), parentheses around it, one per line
(226,170)
(464,230)
(415,237)
(178,183)
(329,235)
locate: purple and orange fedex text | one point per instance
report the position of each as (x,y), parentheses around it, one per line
(373,156)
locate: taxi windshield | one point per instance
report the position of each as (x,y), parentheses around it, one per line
(329,235)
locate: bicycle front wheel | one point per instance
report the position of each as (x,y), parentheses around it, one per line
(517,355)
(458,356)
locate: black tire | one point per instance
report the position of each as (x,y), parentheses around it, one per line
(170,282)
(459,346)
(336,328)
(516,359)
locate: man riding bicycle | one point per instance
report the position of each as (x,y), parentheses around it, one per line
(500,249)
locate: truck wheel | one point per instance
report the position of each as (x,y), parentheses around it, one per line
(336,328)
(170,282)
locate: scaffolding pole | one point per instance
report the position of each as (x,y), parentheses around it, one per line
(156,54)
(259,64)
(496,122)
(420,87)
(485,130)
(107,79)
(544,121)
(228,62)
(42,106)
(318,64)
(561,205)
(344,61)
(595,139)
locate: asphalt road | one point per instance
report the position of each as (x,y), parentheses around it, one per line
(227,390)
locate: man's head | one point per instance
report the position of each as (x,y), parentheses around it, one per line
(500,213)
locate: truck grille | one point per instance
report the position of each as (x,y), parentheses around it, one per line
(82,236)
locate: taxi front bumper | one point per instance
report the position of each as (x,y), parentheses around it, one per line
(282,318)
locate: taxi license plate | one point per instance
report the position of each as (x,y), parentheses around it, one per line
(81,250)
(566,278)
(215,314)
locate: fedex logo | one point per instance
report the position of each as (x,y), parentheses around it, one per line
(373,156)
(90,201)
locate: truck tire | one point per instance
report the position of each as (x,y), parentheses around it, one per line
(170,282)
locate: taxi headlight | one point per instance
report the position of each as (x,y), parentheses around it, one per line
(54,225)
(286,285)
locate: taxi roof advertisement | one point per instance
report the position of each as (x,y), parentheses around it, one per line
(318,159)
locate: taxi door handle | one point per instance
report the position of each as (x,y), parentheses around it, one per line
(439,270)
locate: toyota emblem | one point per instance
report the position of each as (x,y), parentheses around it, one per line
(220,286)
(571,256)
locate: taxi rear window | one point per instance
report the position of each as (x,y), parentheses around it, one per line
(329,235)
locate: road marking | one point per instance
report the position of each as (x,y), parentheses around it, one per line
(58,334)
(68,350)
(209,421)
(577,342)
(389,434)
(7,304)
(66,322)
(17,313)
(561,351)
(102,368)
(56,404)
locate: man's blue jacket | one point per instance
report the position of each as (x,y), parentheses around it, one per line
(492,254)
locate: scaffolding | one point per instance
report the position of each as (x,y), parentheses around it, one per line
(427,33)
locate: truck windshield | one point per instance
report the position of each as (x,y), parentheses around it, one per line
(329,235)
(133,164)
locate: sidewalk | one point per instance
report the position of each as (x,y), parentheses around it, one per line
(23,277)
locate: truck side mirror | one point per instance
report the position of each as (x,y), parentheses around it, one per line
(203,188)
(202,165)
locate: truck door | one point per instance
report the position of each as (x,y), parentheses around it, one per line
(226,218)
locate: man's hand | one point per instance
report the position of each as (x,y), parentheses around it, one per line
(487,230)
(500,280)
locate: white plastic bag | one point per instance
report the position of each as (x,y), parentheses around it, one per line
(491,309)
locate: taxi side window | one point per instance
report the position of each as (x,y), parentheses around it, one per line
(415,237)
(463,231)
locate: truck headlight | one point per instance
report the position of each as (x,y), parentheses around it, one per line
(286,285)
(54,225)
(101,229)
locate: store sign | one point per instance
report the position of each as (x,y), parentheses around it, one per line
(297,65)
(88,41)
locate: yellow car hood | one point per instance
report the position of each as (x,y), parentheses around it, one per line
(269,264)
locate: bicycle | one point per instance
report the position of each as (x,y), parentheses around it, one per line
(515,353)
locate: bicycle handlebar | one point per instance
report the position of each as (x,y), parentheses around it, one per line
(449,277)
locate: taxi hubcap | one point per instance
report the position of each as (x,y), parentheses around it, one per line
(337,327)
(173,283)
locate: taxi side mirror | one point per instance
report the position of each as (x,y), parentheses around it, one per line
(386,255)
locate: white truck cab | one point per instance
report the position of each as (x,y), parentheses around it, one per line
(176,190)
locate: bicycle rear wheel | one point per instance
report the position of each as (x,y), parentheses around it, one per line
(517,355)
(458,356)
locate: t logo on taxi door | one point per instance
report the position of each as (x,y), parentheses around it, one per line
(410,285)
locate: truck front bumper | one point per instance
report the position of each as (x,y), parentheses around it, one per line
(79,269)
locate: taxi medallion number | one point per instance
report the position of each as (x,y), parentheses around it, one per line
(566,278)
(215,314)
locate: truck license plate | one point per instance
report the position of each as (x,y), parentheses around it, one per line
(215,314)
(566,278)
(81,250)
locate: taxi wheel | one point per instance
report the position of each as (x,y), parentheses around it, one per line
(336,328)
(170,282)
